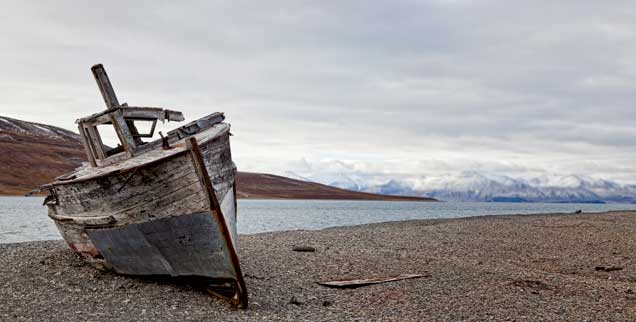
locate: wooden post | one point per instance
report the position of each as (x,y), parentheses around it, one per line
(108,93)
(240,296)
(127,130)
(123,131)
(87,145)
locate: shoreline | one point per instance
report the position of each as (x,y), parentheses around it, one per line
(389,198)
(536,267)
(398,221)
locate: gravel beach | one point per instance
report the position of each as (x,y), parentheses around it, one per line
(576,267)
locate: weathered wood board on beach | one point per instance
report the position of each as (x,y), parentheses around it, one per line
(359,282)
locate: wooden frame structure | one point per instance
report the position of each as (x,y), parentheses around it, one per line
(122,118)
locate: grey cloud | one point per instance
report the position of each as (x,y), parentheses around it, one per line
(535,84)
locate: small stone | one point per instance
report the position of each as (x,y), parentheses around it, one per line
(327,303)
(296,300)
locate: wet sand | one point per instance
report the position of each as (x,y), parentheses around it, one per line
(526,268)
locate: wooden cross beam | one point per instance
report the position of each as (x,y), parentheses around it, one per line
(108,93)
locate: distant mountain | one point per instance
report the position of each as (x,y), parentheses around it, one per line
(32,154)
(267,186)
(475,186)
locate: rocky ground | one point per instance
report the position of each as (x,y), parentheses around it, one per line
(526,268)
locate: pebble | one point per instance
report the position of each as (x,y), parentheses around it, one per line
(296,300)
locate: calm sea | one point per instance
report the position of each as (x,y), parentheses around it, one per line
(25,219)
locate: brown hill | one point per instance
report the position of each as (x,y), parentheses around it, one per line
(266,186)
(33,154)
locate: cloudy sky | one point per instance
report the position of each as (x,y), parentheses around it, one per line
(395,87)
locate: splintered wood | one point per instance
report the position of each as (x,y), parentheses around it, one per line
(353,283)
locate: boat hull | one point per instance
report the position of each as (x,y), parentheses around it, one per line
(174,215)
(178,246)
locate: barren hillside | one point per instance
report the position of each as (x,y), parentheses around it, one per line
(33,154)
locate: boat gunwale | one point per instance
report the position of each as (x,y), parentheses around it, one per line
(178,150)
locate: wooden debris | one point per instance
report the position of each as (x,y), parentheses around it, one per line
(524,283)
(353,283)
(305,249)
(608,268)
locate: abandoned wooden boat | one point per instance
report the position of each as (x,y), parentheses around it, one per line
(163,207)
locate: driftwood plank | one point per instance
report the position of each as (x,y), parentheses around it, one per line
(353,283)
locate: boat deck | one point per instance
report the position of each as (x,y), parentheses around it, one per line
(86,172)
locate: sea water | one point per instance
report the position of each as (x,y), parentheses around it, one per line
(25,219)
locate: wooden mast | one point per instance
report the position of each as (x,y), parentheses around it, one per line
(105,87)
(127,134)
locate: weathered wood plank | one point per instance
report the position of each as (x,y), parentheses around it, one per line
(125,136)
(100,206)
(218,161)
(173,165)
(152,113)
(89,173)
(240,297)
(87,147)
(185,245)
(111,194)
(97,144)
(163,188)
(105,87)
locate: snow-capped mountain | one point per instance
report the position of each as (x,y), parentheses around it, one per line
(11,129)
(32,154)
(475,186)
